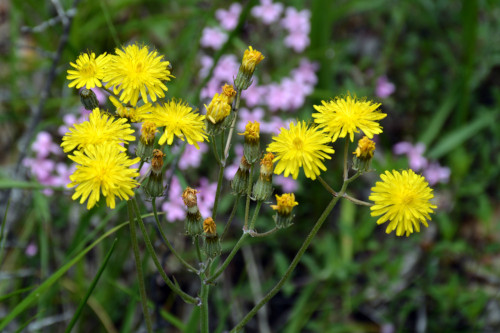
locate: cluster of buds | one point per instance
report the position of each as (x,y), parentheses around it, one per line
(146,141)
(194,223)
(212,246)
(263,188)
(153,186)
(219,110)
(363,154)
(251,58)
(284,206)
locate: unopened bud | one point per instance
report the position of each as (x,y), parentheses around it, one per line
(88,99)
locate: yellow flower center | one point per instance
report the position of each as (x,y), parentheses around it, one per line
(298,143)
(88,69)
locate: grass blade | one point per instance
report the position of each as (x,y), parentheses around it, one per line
(91,289)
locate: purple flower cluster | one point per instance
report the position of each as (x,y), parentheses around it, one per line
(384,88)
(432,171)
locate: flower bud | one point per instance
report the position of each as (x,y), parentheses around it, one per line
(217,112)
(212,245)
(157,161)
(251,148)
(146,141)
(263,188)
(283,207)
(193,224)
(239,184)
(251,58)
(229,92)
(363,154)
(133,114)
(88,99)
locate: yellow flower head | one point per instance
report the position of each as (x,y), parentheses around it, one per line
(209,226)
(348,115)
(99,129)
(103,169)
(300,146)
(218,109)
(135,70)
(229,92)
(148,131)
(180,120)
(88,71)
(403,199)
(251,58)
(134,114)
(189,197)
(251,131)
(266,164)
(365,149)
(285,204)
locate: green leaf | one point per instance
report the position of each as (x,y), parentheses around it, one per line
(460,135)
(91,289)
(35,294)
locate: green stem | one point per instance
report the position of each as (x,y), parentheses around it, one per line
(357,201)
(165,239)
(297,258)
(185,297)
(214,149)
(221,269)
(326,186)
(138,265)
(249,191)
(346,150)
(231,130)
(198,252)
(263,234)
(233,212)
(255,213)
(218,191)
(205,289)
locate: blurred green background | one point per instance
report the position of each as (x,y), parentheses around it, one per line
(443,58)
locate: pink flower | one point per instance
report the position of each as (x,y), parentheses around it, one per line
(213,37)
(226,68)
(63,171)
(435,173)
(174,207)
(206,197)
(31,250)
(297,41)
(231,169)
(276,97)
(213,86)
(273,126)
(414,154)
(268,12)
(297,21)
(43,145)
(206,63)
(306,72)
(253,95)
(288,184)
(228,19)
(192,156)
(384,87)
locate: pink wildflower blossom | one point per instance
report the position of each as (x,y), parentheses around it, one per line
(174,207)
(213,37)
(268,11)
(414,152)
(435,173)
(384,87)
(228,19)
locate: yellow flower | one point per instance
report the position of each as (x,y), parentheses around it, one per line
(134,114)
(88,71)
(365,148)
(229,92)
(348,115)
(209,226)
(251,58)
(103,169)
(285,204)
(404,200)
(251,131)
(135,70)
(300,146)
(180,120)
(148,131)
(218,109)
(99,129)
